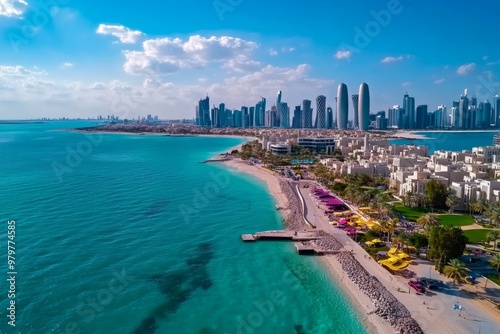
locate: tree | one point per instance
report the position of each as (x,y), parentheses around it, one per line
(495,261)
(451,201)
(455,270)
(479,206)
(493,235)
(493,213)
(428,220)
(445,243)
(418,241)
(437,193)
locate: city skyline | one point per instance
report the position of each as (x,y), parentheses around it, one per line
(79,60)
(465,114)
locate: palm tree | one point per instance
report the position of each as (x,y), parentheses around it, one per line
(495,261)
(493,213)
(451,201)
(455,270)
(493,235)
(428,220)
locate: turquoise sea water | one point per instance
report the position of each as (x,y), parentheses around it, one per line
(132,234)
(451,141)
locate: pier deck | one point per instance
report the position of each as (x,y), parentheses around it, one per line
(280,235)
(295,236)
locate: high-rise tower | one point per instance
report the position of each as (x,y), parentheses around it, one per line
(342,107)
(321,112)
(364,107)
(355,101)
(306,114)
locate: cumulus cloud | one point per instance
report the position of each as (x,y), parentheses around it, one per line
(168,55)
(439,81)
(273,52)
(466,69)
(343,54)
(124,34)
(12,8)
(391,59)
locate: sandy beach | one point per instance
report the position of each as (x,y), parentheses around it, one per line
(359,300)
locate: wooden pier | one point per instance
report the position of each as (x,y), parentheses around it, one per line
(280,235)
(296,236)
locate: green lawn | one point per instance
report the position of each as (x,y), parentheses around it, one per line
(411,214)
(456,220)
(476,235)
(494,278)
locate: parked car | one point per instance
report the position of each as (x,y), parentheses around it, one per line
(429,283)
(417,286)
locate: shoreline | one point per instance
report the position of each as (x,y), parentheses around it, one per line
(360,302)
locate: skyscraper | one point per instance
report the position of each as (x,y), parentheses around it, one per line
(321,112)
(329,118)
(421,121)
(260,113)
(496,112)
(364,106)
(204,111)
(306,114)
(445,121)
(278,102)
(355,101)
(342,107)
(409,107)
(463,112)
(284,115)
(223,116)
(297,118)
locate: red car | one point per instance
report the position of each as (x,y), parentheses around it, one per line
(417,286)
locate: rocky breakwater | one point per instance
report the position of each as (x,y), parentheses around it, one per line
(327,242)
(294,220)
(386,305)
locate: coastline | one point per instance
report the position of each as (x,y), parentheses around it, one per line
(360,302)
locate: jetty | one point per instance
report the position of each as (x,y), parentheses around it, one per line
(280,235)
(302,240)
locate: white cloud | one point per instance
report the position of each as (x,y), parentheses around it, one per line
(466,69)
(124,34)
(32,93)
(491,63)
(97,86)
(287,49)
(12,8)
(66,65)
(439,81)
(406,84)
(485,57)
(273,52)
(343,54)
(168,55)
(391,59)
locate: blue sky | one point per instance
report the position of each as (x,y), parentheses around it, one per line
(79,59)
